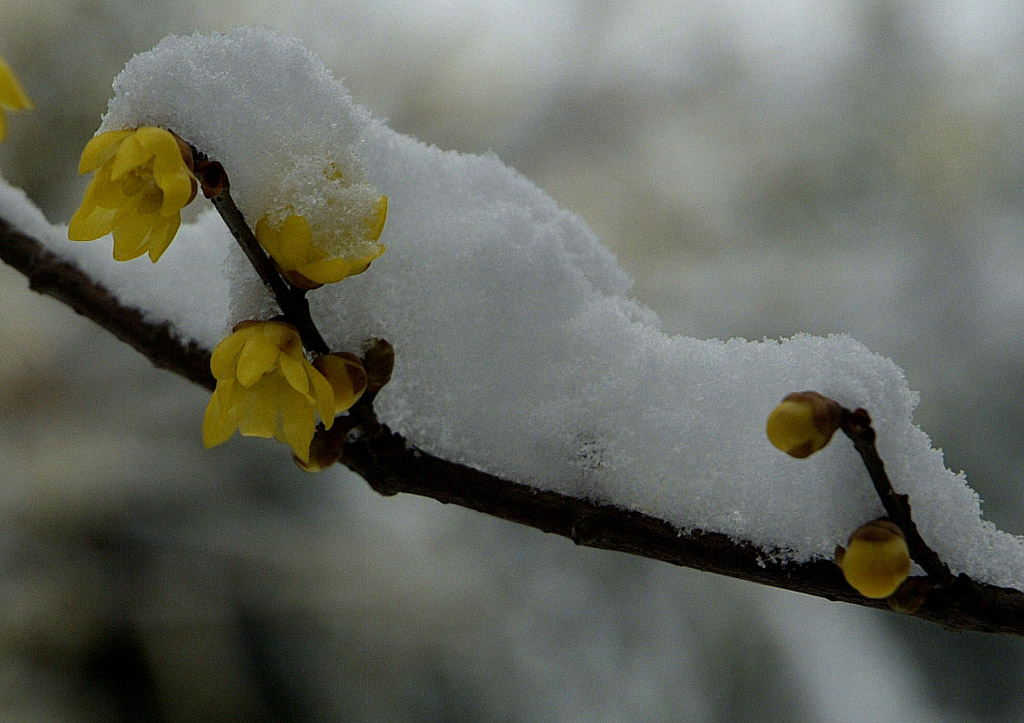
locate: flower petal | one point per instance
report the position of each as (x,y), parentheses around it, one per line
(268,237)
(160,144)
(104,192)
(258,356)
(11,94)
(259,411)
(340,371)
(375,223)
(222,361)
(131,233)
(294,371)
(284,336)
(298,422)
(101,149)
(178,190)
(323,394)
(130,156)
(150,200)
(335,269)
(90,223)
(218,423)
(296,246)
(163,234)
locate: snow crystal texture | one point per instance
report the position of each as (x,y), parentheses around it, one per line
(518,350)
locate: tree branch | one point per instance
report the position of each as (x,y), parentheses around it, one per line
(290,300)
(53,276)
(857,426)
(391,466)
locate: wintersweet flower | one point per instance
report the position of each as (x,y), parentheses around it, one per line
(142,179)
(803,423)
(12,97)
(267,388)
(306,262)
(876,560)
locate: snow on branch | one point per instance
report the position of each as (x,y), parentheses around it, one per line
(391,466)
(525,382)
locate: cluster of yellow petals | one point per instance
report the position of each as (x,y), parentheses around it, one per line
(267,388)
(141,182)
(265,385)
(876,560)
(307,265)
(12,97)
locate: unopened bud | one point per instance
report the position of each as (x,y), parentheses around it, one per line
(379,360)
(803,423)
(346,375)
(910,596)
(876,560)
(212,177)
(324,450)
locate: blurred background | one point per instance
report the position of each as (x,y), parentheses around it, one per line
(761,169)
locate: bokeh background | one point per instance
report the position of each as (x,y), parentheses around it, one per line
(760,168)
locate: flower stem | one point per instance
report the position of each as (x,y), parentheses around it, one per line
(857,426)
(292,301)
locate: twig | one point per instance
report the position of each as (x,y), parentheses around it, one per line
(53,276)
(857,426)
(292,301)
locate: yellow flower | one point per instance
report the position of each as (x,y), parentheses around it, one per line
(308,265)
(347,377)
(803,423)
(267,388)
(876,561)
(12,97)
(142,180)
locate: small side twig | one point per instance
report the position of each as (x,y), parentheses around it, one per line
(857,426)
(292,301)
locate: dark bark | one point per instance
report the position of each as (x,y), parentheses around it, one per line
(53,276)
(391,466)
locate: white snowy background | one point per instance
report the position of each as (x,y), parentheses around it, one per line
(759,172)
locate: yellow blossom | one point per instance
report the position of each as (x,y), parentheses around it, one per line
(12,97)
(267,388)
(876,560)
(347,377)
(142,179)
(803,423)
(304,262)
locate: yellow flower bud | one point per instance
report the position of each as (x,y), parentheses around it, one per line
(346,375)
(305,263)
(803,423)
(142,178)
(326,228)
(12,97)
(267,388)
(876,560)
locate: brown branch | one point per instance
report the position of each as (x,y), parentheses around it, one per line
(291,301)
(391,466)
(857,426)
(53,276)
